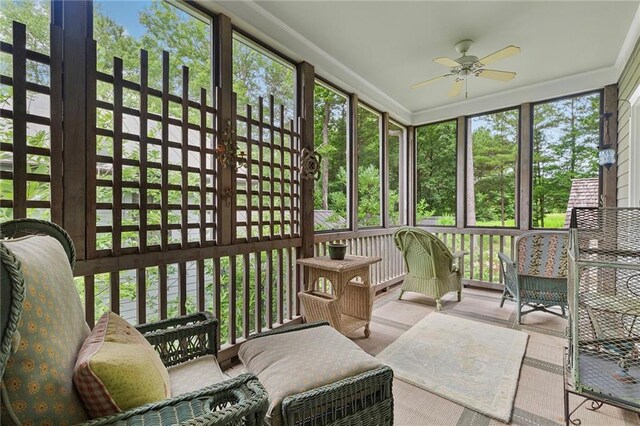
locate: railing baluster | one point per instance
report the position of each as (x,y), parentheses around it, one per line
(232,299)
(491,260)
(481,258)
(280,281)
(246,304)
(163,291)
(501,251)
(269,296)
(141,296)
(182,288)
(258,290)
(472,244)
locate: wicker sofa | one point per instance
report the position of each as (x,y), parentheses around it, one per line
(42,326)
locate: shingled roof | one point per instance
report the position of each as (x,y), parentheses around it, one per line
(584,193)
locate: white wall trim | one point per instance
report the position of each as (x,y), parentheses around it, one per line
(256,20)
(577,83)
(629,43)
(634,149)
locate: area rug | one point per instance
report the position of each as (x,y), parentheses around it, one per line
(473,364)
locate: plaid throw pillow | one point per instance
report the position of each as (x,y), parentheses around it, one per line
(117,369)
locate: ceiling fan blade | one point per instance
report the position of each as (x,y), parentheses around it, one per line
(456,88)
(500,54)
(447,62)
(496,75)
(431,80)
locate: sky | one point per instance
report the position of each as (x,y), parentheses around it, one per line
(125,13)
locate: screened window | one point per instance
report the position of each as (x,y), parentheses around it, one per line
(396,147)
(566,136)
(31,195)
(369,188)
(491,175)
(259,74)
(121,29)
(131,210)
(331,130)
(436,174)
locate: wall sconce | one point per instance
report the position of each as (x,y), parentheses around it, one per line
(606,153)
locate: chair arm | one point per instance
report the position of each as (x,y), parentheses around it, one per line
(296,327)
(183,338)
(510,275)
(457,256)
(241,400)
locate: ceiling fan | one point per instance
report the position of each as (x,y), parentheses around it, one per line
(465,66)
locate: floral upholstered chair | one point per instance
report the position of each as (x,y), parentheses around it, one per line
(538,278)
(43,331)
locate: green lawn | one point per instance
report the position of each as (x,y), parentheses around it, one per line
(551,220)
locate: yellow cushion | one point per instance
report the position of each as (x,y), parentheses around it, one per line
(117,369)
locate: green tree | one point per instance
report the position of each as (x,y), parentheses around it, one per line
(436,170)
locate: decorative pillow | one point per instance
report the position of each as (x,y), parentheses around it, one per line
(38,380)
(117,369)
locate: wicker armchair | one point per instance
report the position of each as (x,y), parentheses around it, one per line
(330,380)
(241,400)
(431,268)
(538,278)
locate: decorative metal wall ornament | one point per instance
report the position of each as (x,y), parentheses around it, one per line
(227,150)
(227,195)
(310,164)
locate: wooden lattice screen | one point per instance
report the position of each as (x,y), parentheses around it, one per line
(268,183)
(155,174)
(150,243)
(31,126)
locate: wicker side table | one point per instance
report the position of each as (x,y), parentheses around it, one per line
(348,306)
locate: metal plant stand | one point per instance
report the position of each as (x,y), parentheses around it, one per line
(603,357)
(595,401)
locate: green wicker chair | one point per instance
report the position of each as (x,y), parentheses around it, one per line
(330,380)
(241,400)
(431,268)
(538,279)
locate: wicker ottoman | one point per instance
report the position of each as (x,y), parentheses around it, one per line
(316,376)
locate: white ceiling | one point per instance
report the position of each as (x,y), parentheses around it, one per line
(380,48)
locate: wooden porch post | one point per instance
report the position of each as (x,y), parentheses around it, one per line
(609,182)
(304,107)
(461,201)
(384,169)
(410,167)
(523,208)
(352,156)
(222,45)
(76,19)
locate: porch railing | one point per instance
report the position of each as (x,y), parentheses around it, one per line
(481,266)
(378,242)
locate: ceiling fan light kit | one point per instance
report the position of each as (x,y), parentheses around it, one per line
(466,65)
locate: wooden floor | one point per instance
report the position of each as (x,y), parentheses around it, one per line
(539,399)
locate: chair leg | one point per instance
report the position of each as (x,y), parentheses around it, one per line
(504,296)
(459,295)
(400,296)
(438,305)
(518,312)
(563,312)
